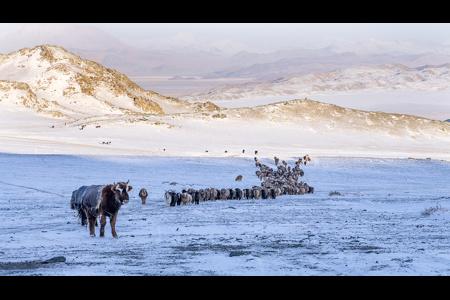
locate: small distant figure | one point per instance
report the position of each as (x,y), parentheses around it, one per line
(239,178)
(243,150)
(256,152)
(306,158)
(143,194)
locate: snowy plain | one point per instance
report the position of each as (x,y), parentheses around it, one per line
(375,227)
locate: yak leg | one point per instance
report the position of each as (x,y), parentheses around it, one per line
(102,225)
(143,200)
(83,217)
(112,222)
(91,222)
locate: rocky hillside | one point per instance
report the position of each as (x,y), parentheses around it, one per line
(54,81)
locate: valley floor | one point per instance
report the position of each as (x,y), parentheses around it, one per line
(376,225)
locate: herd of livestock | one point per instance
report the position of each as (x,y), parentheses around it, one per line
(101,201)
(282,181)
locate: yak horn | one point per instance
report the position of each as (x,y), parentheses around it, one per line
(113,188)
(128,181)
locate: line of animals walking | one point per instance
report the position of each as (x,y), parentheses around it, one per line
(101,201)
(282,181)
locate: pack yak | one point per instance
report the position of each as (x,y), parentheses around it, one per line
(100,201)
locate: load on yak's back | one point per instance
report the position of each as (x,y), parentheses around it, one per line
(100,201)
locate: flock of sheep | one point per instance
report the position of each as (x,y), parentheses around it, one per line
(282,181)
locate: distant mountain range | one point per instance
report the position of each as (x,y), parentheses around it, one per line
(385,77)
(189,55)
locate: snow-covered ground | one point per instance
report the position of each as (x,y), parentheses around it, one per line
(375,227)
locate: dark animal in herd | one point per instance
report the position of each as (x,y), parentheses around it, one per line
(100,201)
(189,196)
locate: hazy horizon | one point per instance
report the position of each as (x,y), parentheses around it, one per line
(287,34)
(274,36)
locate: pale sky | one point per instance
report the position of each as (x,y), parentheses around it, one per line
(262,35)
(289,34)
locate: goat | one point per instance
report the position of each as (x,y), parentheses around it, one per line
(238,194)
(168,198)
(171,198)
(264,193)
(256,192)
(186,198)
(197,197)
(232,194)
(272,193)
(213,194)
(178,198)
(202,195)
(224,193)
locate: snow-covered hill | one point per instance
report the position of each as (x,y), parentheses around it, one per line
(391,88)
(368,45)
(46,93)
(60,83)
(376,77)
